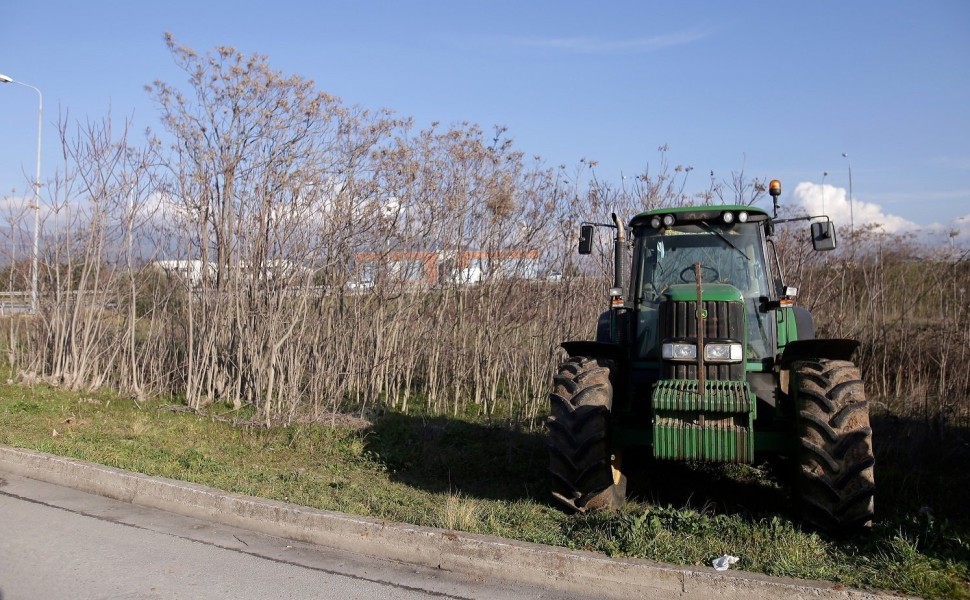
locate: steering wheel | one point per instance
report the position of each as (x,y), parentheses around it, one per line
(688,275)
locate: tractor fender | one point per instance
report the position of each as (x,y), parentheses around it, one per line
(590,349)
(833,349)
(604,329)
(804,323)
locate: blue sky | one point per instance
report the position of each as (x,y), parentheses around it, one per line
(780,89)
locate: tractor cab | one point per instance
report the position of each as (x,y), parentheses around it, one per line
(721,252)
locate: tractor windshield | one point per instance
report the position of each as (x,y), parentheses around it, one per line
(731,254)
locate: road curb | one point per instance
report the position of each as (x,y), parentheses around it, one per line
(477,555)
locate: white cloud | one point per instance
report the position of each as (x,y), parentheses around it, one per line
(815,199)
(829,200)
(17,212)
(391,207)
(12,207)
(959,229)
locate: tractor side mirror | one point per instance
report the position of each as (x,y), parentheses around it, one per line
(585,239)
(823,236)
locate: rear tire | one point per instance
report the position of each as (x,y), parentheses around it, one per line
(585,473)
(834,483)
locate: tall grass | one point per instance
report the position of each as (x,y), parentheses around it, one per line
(908,303)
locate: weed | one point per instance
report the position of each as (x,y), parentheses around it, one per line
(458,513)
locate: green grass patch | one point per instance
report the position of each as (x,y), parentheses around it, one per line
(489,478)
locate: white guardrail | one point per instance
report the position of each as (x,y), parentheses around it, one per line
(14,303)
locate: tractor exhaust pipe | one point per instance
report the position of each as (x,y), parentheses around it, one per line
(617,302)
(619,254)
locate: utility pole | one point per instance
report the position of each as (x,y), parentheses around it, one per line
(851,218)
(36,203)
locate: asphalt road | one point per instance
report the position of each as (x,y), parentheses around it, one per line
(57,542)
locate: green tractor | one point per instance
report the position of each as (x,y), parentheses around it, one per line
(703,356)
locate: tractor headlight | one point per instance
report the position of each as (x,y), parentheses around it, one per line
(679,351)
(655,222)
(722,352)
(713,352)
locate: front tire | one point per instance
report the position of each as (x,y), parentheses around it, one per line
(834,482)
(584,471)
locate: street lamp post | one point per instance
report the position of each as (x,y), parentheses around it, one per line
(824,175)
(36,204)
(851,219)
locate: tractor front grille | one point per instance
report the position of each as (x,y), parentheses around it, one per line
(725,321)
